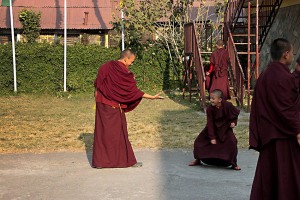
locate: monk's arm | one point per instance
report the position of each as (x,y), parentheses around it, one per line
(148,96)
(234,121)
(210,125)
(286,96)
(233,114)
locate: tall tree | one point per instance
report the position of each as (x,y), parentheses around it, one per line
(162,19)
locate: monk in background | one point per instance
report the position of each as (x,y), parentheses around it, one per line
(116,93)
(275,127)
(219,62)
(217,144)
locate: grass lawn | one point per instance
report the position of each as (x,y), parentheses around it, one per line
(42,123)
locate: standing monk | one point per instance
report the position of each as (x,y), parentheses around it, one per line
(116,93)
(274,128)
(219,62)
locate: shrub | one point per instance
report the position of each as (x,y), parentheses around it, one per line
(40,67)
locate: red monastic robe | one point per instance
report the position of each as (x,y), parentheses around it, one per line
(220,60)
(116,93)
(274,124)
(218,127)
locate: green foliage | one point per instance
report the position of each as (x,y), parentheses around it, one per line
(40,68)
(162,19)
(30,21)
(149,69)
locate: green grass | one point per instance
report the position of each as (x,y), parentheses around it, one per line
(42,123)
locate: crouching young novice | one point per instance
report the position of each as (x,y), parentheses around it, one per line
(217,144)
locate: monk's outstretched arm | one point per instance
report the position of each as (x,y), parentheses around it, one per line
(148,96)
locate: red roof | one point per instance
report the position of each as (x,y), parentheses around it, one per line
(100,13)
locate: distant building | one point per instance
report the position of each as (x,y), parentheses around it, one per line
(88,21)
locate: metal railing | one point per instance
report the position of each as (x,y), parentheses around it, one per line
(237,77)
(268,10)
(193,65)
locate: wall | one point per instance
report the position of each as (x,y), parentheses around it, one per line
(286,25)
(286,3)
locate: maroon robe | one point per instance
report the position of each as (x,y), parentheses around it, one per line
(208,68)
(274,125)
(296,74)
(220,61)
(116,93)
(218,127)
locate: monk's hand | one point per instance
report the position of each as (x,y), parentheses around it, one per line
(298,138)
(232,125)
(297,68)
(157,96)
(213,141)
(95,95)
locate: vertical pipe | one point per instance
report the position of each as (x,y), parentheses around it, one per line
(65,45)
(256,41)
(13,44)
(123,40)
(249,56)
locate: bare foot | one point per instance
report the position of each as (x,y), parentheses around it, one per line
(195,163)
(236,168)
(213,141)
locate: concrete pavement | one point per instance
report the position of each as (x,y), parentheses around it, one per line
(164,176)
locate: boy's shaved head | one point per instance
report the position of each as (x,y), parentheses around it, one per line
(220,43)
(218,93)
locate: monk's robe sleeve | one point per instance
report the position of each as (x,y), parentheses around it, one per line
(210,124)
(213,59)
(296,75)
(285,100)
(233,113)
(117,83)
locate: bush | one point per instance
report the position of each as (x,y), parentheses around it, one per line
(40,67)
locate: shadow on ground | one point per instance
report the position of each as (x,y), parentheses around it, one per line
(88,139)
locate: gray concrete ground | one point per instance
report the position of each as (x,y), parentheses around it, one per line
(164,176)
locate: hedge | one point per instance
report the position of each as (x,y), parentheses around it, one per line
(40,67)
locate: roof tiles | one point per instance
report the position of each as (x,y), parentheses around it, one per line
(99,13)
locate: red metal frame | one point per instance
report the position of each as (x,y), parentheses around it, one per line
(193,64)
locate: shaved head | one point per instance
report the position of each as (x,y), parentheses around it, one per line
(279,47)
(218,93)
(220,43)
(127,53)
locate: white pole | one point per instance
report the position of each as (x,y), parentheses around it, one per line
(122,17)
(13,45)
(65,46)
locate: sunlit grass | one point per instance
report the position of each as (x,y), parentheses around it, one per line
(31,123)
